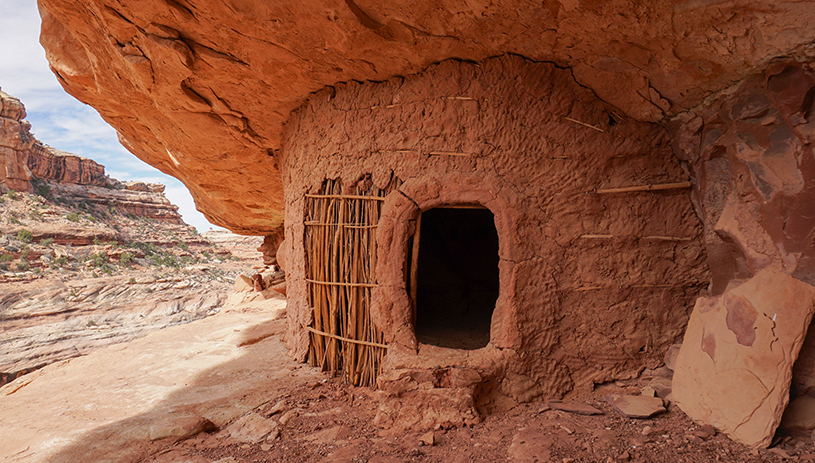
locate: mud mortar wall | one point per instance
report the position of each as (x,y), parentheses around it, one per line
(573,310)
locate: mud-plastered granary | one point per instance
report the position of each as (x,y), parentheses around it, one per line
(488,204)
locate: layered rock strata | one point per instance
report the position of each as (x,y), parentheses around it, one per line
(30,165)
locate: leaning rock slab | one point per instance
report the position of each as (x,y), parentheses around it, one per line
(735,365)
(636,406)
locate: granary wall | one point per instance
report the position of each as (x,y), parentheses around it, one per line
(595,284)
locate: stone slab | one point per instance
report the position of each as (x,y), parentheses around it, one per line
(636,406)
(578,408)
(735,365)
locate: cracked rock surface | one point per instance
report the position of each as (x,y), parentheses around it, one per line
(735,365)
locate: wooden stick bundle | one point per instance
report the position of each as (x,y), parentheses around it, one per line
(340,265)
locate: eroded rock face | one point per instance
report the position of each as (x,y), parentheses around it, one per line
(202,91)
(24,158)
(750,154)
(29,164)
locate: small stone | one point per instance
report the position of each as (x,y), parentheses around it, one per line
(428,439)
(251,428)
(693,438)
(180,428)
(284,420)
(273,435)
(671,355)
(568,460)
(661,385)
(664,371)
(647,430)
(577,408)
(265,447)
(705,432)
(648,391)
(625,456)
(277,408)
(780,452)
(635,406)
(243,283)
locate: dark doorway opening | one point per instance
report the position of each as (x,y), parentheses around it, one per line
(457,279)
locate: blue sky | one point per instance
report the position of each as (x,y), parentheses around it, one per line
(57,119)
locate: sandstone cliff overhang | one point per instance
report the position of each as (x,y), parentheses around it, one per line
(202,90)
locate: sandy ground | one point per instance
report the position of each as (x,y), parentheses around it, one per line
(190,394)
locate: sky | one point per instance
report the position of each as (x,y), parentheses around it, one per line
(59,120)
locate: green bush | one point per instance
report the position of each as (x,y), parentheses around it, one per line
(6,258)
(60,261)
(43,190)
(35,215)
(12,194)
(126,259)
(73,217)
(47,242)
(14,220)
(25,236)
(23,266)
(99,259)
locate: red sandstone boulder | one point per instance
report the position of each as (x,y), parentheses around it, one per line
(735,365)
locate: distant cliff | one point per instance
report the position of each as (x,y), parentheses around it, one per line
(27,163)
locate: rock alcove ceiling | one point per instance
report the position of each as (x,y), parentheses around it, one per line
(202,89)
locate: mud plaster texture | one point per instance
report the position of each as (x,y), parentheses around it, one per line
(573,310)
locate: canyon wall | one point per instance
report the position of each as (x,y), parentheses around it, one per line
(28,164)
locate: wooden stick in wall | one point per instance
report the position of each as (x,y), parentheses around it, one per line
(654,187)
(584,124)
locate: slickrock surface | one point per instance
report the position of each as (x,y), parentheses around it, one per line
(106,405)
(202,90)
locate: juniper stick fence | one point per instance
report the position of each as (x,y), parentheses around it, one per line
(340,242)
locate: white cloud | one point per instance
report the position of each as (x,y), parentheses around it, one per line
(59,120)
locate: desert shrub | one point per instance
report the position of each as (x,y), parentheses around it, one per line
(2,200)
(12,195)
(23,266)
(99,259)
(60,261)
(25,236)
(126,259)
(43,190)
(14,220)
(35,215)
(184,246)
(47,242)
(6,258)
(73,217)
